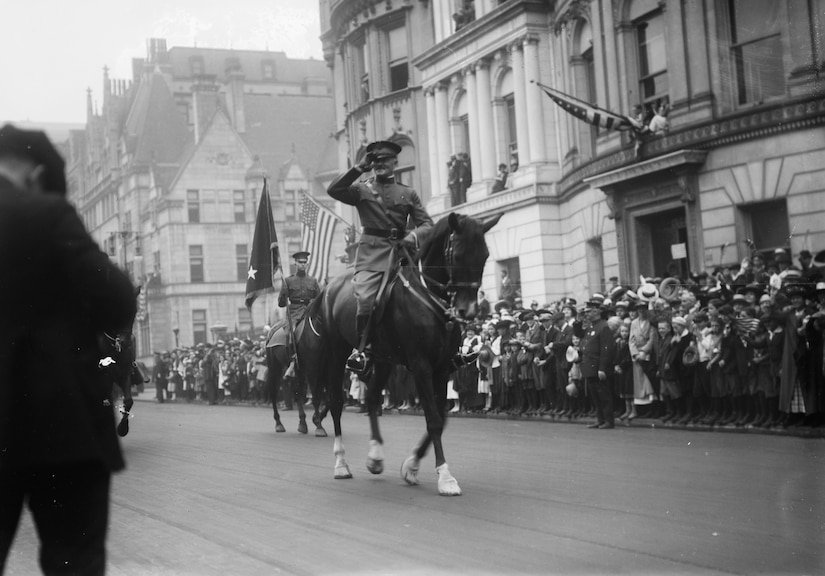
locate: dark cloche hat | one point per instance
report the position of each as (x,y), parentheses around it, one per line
(384,149)
(302,255)
(35,145)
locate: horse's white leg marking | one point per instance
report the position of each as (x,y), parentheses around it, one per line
(447,485)
(375,457)
(342,470)
(409,470)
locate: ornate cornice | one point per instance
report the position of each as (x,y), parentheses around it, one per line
(680,158)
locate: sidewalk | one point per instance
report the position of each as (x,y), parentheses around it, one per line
(651,423)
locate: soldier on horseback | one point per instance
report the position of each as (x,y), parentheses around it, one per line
(298,291)
(385,208)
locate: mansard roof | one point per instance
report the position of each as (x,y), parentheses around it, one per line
(250,62)
(155,130)
(274,124)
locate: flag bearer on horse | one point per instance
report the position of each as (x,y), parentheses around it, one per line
(298,291)
(385,208)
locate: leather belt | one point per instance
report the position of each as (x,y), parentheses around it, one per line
(304,302)
(392,233)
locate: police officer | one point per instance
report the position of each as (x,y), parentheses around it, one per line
(385,208)
(298,289)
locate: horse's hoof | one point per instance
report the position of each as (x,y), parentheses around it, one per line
(342,473)
(320,432)
(123,427)
(302,427)
(409,470)
(279,427)
(447,484)
(375,466)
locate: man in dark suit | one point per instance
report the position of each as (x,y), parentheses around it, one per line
(598,358)
(385,209)
(58,291)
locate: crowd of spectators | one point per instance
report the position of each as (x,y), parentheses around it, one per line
(742,347)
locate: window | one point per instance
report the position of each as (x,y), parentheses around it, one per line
(399,68)
(244,320)
(511,132)
(193,205)
(145,337)
(196,263)
(509,285)
(196,65)
(240,206)
(156,262)
(241,261)
(183,108)
(650,35)
(595,264)
(766,223)
(268,70)
(199,326)
(361,72)
(756,50)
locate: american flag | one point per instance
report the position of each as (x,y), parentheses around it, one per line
(317,228)
(746,326)
(588,112)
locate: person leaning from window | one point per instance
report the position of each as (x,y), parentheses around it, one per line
(58,446)
(501,178)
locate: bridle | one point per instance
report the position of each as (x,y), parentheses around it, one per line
(451,287)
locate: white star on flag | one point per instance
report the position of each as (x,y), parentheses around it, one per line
(251,274)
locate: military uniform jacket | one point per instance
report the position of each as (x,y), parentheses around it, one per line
(598,350)
(381,206)
(300,290)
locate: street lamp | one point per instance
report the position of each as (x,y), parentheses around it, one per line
(177,332)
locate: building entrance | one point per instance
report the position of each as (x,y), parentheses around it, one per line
(663,244)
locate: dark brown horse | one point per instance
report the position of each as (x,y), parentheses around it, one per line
(418,327)
(278,360)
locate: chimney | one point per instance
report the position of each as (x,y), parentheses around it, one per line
(204,102)
(234,98)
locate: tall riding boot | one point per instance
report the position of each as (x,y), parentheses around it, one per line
(358,361)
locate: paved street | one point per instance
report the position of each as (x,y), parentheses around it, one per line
(215,491)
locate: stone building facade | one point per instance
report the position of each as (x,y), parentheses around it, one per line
(168,174)
(740,165)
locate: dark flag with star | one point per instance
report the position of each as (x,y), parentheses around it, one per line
(264,259)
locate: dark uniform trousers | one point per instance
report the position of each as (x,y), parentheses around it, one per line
(598,354)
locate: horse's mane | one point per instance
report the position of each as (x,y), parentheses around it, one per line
(433,243)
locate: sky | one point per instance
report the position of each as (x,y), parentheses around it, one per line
(51,51)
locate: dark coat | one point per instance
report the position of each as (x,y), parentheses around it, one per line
(58,292)
(381,206)
(598,350)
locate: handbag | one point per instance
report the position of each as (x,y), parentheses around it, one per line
(690,357)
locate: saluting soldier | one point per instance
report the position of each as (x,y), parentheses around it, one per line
(385,208)
(299,289)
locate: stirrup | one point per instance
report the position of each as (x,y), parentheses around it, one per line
(358,362)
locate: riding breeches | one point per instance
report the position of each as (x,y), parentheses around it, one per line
(365,285)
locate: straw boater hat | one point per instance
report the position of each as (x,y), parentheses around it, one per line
(648,292)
